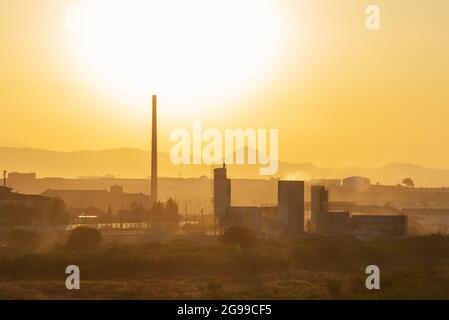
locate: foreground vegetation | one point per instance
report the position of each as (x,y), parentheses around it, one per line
(415,268)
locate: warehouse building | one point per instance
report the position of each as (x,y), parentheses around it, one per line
(364,226)
(245,217)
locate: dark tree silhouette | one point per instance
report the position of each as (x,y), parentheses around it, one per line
(171,207)
(157,209)
(84,238)
(408,182)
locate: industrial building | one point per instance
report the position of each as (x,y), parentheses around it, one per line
(221,196)
(244,217)
(7,197)
(319,208)
(270,222)
(113,200)
(378,226)
(356,182)
(323,221)
(227,216)
(339,224)
(331,223)
(291,207)
(22,181)
(31,201)
(326,182)
(38,206)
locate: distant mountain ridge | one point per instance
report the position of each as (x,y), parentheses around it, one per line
(134,163)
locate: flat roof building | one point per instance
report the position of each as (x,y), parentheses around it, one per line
(7,196)
(248,217)
(364,226)
(291,207)
(39,207)
(339,224)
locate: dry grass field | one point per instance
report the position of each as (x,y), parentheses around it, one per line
(415,268)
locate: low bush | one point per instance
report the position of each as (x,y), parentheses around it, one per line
(83,238)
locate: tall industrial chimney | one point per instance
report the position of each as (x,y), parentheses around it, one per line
(153,193)
(4,178)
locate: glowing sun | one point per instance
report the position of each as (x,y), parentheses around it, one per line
(179,48)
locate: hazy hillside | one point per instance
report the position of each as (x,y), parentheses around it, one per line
(134,163)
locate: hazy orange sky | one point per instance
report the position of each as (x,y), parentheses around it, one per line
(341,95)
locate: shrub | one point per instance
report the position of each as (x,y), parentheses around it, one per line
(84,238)
(241,236)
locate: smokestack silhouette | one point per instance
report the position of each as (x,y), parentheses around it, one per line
(153,193)
(4,178)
